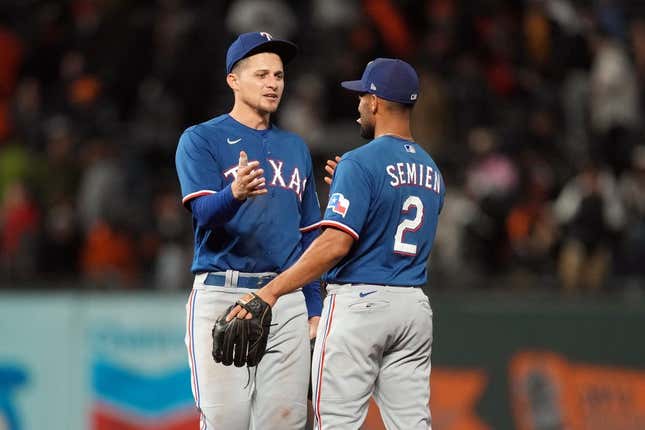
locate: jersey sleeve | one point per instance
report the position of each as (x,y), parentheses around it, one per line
(197,169)
(310,218)
(349,198)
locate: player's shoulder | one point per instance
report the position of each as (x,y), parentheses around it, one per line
(212,126)
(206,133)
(207,127)
(364,154)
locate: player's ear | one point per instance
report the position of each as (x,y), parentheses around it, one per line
(374,103)
(232,81)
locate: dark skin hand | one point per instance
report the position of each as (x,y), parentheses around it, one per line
(330,167)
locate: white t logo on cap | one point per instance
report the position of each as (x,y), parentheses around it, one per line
(373,87)
(265,34)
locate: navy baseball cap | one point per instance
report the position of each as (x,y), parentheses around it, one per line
(248,44)
(389,79)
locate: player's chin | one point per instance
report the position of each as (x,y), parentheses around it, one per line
(270,104)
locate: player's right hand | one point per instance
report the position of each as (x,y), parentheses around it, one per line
(330,168)
(249,181)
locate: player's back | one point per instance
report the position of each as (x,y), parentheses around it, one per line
(395,193)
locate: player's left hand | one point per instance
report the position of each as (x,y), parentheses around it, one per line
(313,327)
(330,168)
(241,313)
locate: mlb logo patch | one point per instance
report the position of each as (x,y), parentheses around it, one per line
(338,204)
(410,148)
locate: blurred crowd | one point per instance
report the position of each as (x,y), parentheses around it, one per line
(532,108)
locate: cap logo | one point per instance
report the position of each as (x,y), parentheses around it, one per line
(413,96)
(372,86)
(265,34)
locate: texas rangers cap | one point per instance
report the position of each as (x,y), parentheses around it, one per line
(388,78)
(248,44)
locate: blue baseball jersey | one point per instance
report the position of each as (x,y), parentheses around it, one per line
(387,195)
(264,235)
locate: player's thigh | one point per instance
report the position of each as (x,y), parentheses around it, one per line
(222,393)
(402,390)
(282,377)
(345,363)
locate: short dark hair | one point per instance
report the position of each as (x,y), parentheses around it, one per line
(239,65)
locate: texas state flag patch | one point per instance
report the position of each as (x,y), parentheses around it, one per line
(338,204)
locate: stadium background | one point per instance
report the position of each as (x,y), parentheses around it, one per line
(532,108)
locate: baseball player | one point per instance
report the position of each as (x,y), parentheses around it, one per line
(250,188)
(375,335)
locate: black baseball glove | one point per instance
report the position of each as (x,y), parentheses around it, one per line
(242,341)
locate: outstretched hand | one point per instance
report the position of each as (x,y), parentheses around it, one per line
(330,168)
(249,181)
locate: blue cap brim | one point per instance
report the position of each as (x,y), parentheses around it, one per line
(356,86)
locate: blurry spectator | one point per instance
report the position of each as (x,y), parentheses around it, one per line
(332,15)
(449,258)
(109,258)
(156,118)
(431,115)
(638,45)
(538,33)
(632,192)
(632,187)
(172,255)
(491,180)
(273,16)
(27,113)
(59,174)
(301,111)
(591,213)
(102,188)
(60,243)
(575,96)
(10,61)
(16,165)
(542,142)
(392,26)
(530,225)
(57,186)
(613,101)
(11,49)
(472,104)
(491,175)
(19,218)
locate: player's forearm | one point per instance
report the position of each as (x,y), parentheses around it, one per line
(323,254)
(311,290)
(215,209)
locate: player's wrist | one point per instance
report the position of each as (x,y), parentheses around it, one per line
(237,195)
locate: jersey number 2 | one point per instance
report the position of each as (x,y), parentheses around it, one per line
(401,247)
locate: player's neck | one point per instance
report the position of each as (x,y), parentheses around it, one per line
(394,128)
(250,117)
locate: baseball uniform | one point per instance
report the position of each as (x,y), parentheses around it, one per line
(375,334)
(262,238)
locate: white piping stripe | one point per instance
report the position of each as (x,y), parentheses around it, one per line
(321,355)
(341,225)
(310,227)
(197,193)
